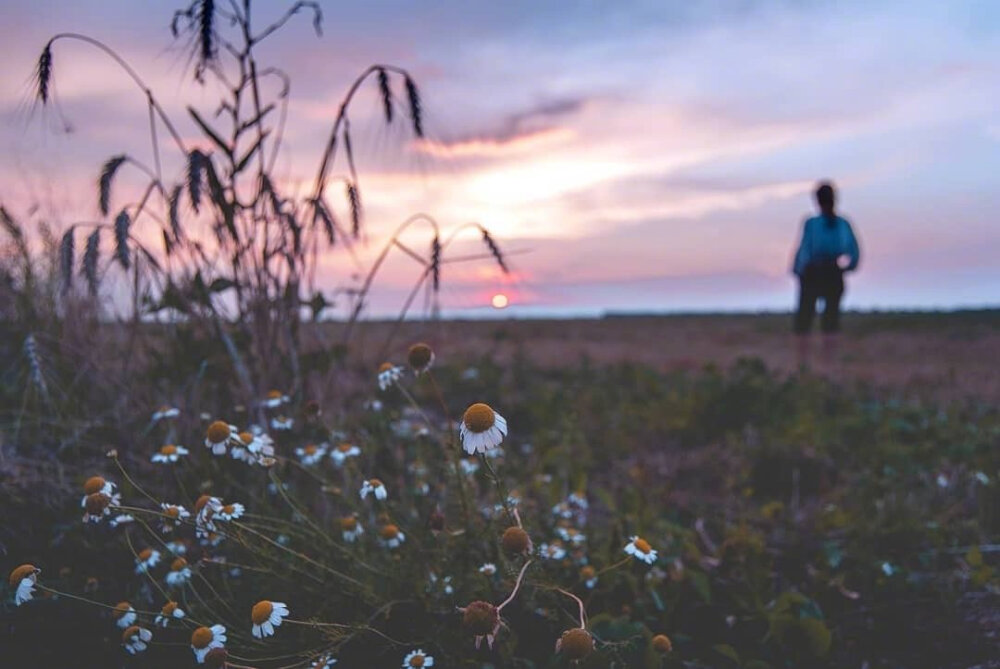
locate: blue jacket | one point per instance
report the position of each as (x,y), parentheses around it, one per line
(822,242)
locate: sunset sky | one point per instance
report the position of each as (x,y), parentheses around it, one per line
(630,155)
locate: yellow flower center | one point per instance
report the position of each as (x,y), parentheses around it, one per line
(384,367)
(642,545)
(121,608)
(479,417)
(261,611)
(93,484)
(344,448)
(375,483)
(389,531)
(311,449)
(172,512)
(129,633)
(21,573)
(246,437)
(228,509)
(218,432)
(349,523)
(201,637)
(587,572)
(145,554)
(419,356)
(202,501)
(662,643)
(274,394)
(169,608)
(169,449)
(178,565)
(417,661)
(576,643)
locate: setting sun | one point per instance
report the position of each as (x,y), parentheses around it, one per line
(499,301)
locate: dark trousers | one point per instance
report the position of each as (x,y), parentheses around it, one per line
(820,281)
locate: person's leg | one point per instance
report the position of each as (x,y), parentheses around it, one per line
(830,320)
(804,316)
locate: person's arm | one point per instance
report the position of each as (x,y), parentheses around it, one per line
(853,251)
(804,253)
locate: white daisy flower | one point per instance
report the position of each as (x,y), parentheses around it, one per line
(282,423)
(420,357)
(121,519)
(97,484)
(553,551)
(229,511)
(219,436)
(417,658)
(469,466)
(310,454)
(351,529)
(445,584)
(204,513)
(123,614)
(589,576)
(571,534)
(169,453)
(388,375)
(375,487)
(173,516)
(482,429)
(170,611)
(340,454)
(488,568)
(135,639)
(23,580)
(641,550)
(165,412)
(323,662)
(146,560)
(374,405)
(180,572)
(274,399)
(267,615)
(177,547)
(96,507)
(578,500)
(391,536)
(205,639)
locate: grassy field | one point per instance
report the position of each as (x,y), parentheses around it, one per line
(842,516)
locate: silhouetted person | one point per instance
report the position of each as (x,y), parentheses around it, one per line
(827,250)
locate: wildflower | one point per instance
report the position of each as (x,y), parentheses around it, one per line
(97,484)
(229,511)
(589,576)
(375,487)
(575,643)
(469,466)
(204,510)
(662,643)
(169,453)
(274,399)
(373,405)
(571,534)
(310,454)
(323,662)
(351,529)
(169,610)
(641,549)
(488,568)
(23,579)
(173,515)
(255,445)
(282,423)
(205,639)
(553,551)
(121,519)
(219,435)
(344,451)
(483,620)
(418,658)
(178,547)
(146,560)
(392,536)
(515,540)
(482,428)
(180,572)
(388,374)
(420,357)
(96,506)
(123,614)
(165,412)
(267,615)
(446,586)
(135,639)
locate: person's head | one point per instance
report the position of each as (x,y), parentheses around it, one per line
(826,197)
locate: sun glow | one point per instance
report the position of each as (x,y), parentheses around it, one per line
(499,301)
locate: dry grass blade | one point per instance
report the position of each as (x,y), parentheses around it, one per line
(66,252)
(436,263)
(104,184)
(495,250)
(91,255)
(386,92)
(195,168)
(322,212)
(43,73)
(122,224)
(416,111)
(354,197)
(173,213)
(168,245)
(13,229)
(211,132)
(206,36)
(218,193)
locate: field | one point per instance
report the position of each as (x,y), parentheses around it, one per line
(845,515)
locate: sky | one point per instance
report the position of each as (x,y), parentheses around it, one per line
(628,156)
